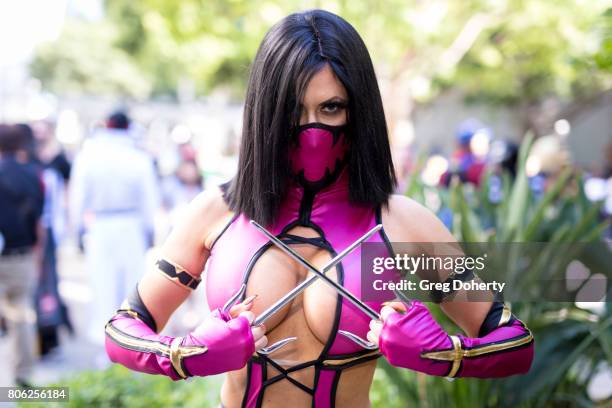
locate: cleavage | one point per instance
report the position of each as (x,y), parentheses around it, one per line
(310,316)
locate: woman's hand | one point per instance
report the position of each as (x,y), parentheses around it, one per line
(416,341)
(244,309)
(405,333)
(223,342)
(377,325)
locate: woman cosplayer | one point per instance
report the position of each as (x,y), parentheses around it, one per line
(315,169)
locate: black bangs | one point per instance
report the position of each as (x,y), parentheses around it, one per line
(301,83)
(290,54)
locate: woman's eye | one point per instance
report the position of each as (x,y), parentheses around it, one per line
(332,108)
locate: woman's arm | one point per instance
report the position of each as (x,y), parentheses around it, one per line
(187,247)
(408,221)
(223,342)
(497,345)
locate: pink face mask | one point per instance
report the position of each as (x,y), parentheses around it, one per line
(318,154)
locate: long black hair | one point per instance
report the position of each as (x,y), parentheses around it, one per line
(292,51)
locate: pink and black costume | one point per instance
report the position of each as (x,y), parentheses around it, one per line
(218,345)
(415,340)
(318,198)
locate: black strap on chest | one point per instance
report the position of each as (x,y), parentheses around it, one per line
(334,363)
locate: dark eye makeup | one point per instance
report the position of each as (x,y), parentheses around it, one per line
(333,106)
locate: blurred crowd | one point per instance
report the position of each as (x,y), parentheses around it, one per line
(110,198)
(479,159)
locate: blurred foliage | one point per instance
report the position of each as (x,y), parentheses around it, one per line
(569,341)
(85,61)
(539,51)
(499,50)
(118,387)
(603,57)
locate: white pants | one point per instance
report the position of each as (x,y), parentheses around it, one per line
(115,251)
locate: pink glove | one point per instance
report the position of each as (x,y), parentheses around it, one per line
(218,345)
(415,340)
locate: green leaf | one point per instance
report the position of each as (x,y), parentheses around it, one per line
(519,196)
(551,195)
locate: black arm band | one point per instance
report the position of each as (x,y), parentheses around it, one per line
(437,296)
(499,315)
(135,305)
(178,275)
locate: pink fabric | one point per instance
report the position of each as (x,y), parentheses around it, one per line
(145,362)
(230,344)
(511,362)
(323,393)
(317,153)
(405,337)
(254,385)
(232,253)
(341,223)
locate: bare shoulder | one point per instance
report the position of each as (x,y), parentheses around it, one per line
(189,242)
(210,212)
(209,204)
(407,220)
(406,212)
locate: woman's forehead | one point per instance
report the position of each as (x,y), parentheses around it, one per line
(323,85)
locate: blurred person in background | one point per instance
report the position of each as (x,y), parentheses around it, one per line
(113,197)
(464,162)
(51,310)
(49,150)
(27,152)
(187,152)
(21,206)
(502,159)
(548,158)
(182,186)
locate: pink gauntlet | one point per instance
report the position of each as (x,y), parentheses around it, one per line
(218,345)
(415,340)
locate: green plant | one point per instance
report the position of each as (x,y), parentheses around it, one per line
(569,341)
(119,387)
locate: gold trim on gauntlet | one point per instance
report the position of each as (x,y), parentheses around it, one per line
(178,353)
(134,343)
(506,315)
(175,351)
(457,353)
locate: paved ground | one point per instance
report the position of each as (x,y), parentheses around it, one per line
(76,353)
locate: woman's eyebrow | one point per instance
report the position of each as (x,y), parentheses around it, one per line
(334,99)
